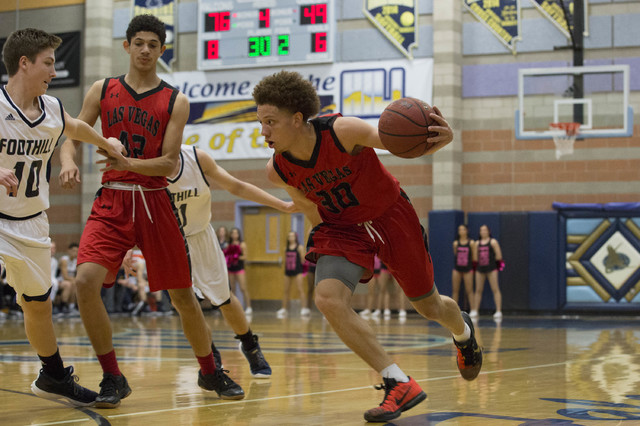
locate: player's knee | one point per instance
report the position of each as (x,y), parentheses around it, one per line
(430,308)
(37,307)
(182,298)
(84,289)
(329,303)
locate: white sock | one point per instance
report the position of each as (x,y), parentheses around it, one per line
(466,334)
(394,372)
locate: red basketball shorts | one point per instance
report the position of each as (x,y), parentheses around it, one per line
(396,237)
(111,231)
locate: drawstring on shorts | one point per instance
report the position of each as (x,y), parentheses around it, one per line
(371,230)
(144,202)
(121,186)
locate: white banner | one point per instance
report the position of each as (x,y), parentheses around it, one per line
(223,115)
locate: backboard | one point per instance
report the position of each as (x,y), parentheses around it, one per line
(595,96)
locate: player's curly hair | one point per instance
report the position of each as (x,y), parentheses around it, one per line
(147,23)
(288,90)
(27,42)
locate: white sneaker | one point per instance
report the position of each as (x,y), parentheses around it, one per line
(282,313)
(497,315)
(248,311)
(473,314)
(402,313)
(305,311)
(365,313)
(376,313)
(387,313)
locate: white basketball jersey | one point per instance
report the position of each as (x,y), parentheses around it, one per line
(190,193)
(26,147)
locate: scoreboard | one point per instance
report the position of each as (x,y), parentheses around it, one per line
(243,34)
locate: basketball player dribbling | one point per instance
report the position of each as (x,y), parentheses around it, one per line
(31,124)
(329,168)
(133,207)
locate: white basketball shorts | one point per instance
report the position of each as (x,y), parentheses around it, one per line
(25,249)
(208,266)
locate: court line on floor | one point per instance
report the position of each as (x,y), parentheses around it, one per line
(310,394)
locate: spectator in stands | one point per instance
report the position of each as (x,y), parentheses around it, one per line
(68,265)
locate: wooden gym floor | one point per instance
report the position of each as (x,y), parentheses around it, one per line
(537,370)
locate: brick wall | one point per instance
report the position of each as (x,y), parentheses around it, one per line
(501,173)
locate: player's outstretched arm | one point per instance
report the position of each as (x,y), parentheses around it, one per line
(353,132)
(307,207)
(69,173)
(81,128)
(239,188)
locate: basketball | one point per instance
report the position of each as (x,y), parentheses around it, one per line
(404,127)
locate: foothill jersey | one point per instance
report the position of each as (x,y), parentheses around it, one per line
(347,188)
(190,193)
(26,147)
(139,121)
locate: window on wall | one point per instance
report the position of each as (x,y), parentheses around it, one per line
(297,226)
(273,233)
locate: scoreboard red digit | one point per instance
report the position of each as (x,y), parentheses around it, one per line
(242,34)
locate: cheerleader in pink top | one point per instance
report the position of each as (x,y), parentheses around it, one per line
(463,267)
(236,253)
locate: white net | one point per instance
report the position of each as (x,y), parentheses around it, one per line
(565,138)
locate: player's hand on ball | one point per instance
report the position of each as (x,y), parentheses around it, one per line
(443,130)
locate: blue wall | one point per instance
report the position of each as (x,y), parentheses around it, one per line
(529,243)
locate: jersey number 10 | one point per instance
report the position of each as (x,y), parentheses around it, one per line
(33,180)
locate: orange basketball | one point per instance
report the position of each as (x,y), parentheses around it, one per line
(404,127)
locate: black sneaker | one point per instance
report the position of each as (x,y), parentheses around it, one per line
(112,389)
(221,383)
(217,358)
(47,387)
(260,368)
(469,353)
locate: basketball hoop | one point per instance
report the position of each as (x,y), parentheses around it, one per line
(565,138)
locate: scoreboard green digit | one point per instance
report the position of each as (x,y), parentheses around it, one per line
(243,34)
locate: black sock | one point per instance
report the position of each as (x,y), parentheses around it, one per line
(213,347)
(52,365)
(248,342)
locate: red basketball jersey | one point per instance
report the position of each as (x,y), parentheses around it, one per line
(139,120)
(347,189)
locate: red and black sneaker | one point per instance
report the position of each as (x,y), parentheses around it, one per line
(398,397)
(469,353)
